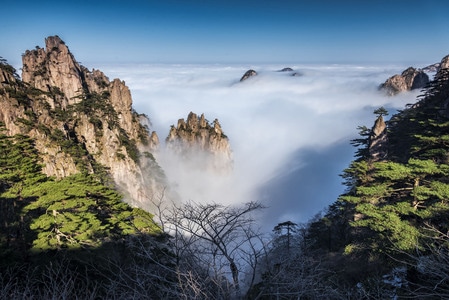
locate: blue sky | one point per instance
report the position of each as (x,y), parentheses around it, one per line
(230,31)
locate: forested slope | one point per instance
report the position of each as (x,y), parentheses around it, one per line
(394,215)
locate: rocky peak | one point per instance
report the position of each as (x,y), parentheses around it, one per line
(51,67)
(55,42)
(378,140)
(444,63)
(248,74)
(198,137)
(55,66)
(409,79)
(291,71)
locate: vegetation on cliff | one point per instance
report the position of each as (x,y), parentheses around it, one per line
(395,211)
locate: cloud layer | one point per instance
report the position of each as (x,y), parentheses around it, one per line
(289,134)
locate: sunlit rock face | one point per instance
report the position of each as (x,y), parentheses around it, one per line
(444,63)
(378,140)
(80,120)
(410,79)
(54,66)
(200,143)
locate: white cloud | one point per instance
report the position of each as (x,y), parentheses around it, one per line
(269,119)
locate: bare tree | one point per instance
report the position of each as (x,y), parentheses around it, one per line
(219,237)
(57,280)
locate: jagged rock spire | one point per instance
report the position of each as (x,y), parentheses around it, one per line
(444,63)
(54,66)
(377,146)
(197,137)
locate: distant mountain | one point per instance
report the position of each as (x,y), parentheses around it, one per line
(433,68)
(412,78)
(201,142)
(409,79)
(248,74)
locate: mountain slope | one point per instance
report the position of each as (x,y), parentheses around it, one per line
(81,122)
(394,213)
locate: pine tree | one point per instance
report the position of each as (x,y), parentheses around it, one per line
(79,212)
(19,169)
(73,212)
(397,198)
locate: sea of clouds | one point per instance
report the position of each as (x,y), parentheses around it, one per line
(289,134)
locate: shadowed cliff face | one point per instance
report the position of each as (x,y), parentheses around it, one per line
(81,122)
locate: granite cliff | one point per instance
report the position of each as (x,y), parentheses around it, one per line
(81,121)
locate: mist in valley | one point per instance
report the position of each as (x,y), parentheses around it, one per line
(289,135)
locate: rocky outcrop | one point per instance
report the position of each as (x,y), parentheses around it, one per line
(248,74)
(433,68)
(377,145)
(81,121)
(201,142)
(410,79)
(444,64)
(291,71)
(54,66)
